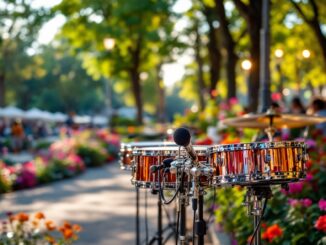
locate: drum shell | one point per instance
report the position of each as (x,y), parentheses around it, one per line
(258,163)
(144,159)
(126,149)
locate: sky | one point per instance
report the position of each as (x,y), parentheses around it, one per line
(172,72)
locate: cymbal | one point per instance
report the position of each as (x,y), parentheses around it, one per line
(278,120)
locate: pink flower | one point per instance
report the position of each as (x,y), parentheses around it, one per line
(233,101)
(29,166)
(276,96)
(322,204)
(295,188)
(224,106)
(310,143)
(309,177)
(306,202)
(293,202)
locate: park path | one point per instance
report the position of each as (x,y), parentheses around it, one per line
(101,200)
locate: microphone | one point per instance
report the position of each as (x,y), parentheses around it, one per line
(166,164)
(182,137)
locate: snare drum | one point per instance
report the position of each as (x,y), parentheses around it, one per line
(258,163)
(144,158)
(126,151)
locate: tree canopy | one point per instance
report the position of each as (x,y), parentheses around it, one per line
(213,36)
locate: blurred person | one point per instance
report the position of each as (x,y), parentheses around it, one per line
(17,134)
(276,107)
(297,106)
(2,128)
(318,108)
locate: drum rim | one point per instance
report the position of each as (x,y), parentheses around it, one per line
(255,146)
(151,151)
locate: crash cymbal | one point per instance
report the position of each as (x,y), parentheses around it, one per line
(275,120)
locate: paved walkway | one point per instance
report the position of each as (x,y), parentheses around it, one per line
(102,200)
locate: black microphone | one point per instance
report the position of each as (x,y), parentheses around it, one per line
(166,164)
(182,137)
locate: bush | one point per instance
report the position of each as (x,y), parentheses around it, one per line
(91,156)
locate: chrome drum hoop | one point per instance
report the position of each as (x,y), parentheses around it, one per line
(256,145)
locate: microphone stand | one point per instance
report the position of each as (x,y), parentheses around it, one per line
(137,217)
(200,223)
(182,209)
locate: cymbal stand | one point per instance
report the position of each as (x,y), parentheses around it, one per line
(198,200)
(256,208)
(181,167)
(270,130)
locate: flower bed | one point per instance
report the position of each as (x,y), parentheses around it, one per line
(22,228)
(64,158)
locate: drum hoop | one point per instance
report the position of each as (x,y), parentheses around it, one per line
(142,152)
(256,146)
(174,150)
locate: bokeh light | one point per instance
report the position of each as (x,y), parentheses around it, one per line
(246,65)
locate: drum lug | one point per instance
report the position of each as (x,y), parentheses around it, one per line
(298,158)
(220,160)
(268,158)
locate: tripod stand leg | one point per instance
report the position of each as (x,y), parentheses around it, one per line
(257,240)
(137,217)
(201,224)
(159,221)
(182,234)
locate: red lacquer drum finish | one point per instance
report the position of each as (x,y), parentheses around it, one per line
(258,163)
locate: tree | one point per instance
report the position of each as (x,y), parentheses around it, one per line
(229,44)
(51,89)
(134,25)
(313,22)
(252,13)
(214,52)
(19,25)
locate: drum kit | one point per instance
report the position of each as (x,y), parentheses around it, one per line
(188,171)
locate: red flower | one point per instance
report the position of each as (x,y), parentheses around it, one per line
(308,164)
(272,232)
(321,223)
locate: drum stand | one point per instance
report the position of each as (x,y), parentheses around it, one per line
(171,225)
(200,224)
(182,203)
(137,217)
(253,201)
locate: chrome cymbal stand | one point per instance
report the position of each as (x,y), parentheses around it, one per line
(198,201)
(256,207)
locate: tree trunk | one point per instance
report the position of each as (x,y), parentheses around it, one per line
(135,80)
(254,33)
(320,37)
(200,63)
(252,12)
(136,88)
(161,95)
(229,45)
(231,63)
(2,90)
(214,53)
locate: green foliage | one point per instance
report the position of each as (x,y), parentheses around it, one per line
(231,214)
(91,156)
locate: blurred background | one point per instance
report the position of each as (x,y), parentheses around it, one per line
(77,77)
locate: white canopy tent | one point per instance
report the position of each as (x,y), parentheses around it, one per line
(11,112)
